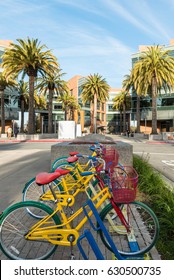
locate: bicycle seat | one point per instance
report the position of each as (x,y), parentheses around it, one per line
(46,178)
(62,171)
(72,159)
(73,153)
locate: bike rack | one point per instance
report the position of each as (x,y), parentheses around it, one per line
(88,235)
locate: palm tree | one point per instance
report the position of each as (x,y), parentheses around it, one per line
(74,106)
(67,100)
(39,100)
(122,103)
(95,88)
(154,71)
(54,85)
(128,84)
(29,58)
(4,83)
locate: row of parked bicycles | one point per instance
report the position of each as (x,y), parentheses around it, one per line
(35,227)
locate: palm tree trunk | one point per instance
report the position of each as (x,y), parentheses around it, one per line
(124,118)
(2,111)
(95,113)
(50,113)
(154,107)
(138,114)
(31,121)
(92,118)
(66,113)
(121,122)
(22,115)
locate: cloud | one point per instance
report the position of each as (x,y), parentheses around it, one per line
(139,15)
(88,6)
(19,7)
(148,15)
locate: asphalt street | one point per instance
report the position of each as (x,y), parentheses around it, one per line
(19,162)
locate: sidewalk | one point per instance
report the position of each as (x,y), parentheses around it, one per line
(14,140)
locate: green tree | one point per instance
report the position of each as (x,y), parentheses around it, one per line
(4,83)
(95,89)
(29,58)
(122,102)
(67,101)
(53,84)
(74,106)
(152,72)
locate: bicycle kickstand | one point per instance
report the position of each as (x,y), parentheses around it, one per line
(72,256)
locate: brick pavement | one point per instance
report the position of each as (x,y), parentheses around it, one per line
(64,253)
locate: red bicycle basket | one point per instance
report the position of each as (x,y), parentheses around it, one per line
(111,156)
(124,181)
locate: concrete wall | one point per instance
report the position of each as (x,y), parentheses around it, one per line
(82,144)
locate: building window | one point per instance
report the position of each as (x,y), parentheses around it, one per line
(98,105)
(57,107)
(110,108)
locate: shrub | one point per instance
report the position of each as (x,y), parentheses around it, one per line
(158,195)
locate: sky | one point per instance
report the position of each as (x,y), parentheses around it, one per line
(90,36)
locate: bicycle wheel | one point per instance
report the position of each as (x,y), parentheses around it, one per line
(144,227)
(72,176)
(15,223)
(35,192)
(57,162)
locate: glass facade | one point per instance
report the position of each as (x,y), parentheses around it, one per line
(10,99)
(165,105)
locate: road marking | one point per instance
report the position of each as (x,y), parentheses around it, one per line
(168,162)
(153,153)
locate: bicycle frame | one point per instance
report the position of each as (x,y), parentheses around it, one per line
(64,201)
(76,187)
(64,236)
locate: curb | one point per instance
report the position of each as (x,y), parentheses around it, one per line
(40,140)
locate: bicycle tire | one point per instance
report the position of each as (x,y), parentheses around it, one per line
(33,192)
(15,223)
(145,227)
(69,166)
(58,161)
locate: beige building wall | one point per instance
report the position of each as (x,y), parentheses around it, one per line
(5,43)
(73,85)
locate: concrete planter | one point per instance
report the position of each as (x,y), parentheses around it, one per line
(82,144)
(3,135)
(36,136)
(155,137)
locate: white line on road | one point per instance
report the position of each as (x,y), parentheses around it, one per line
(168,162)
(153,153)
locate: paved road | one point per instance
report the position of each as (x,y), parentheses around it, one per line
(160,156)
(19,162)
